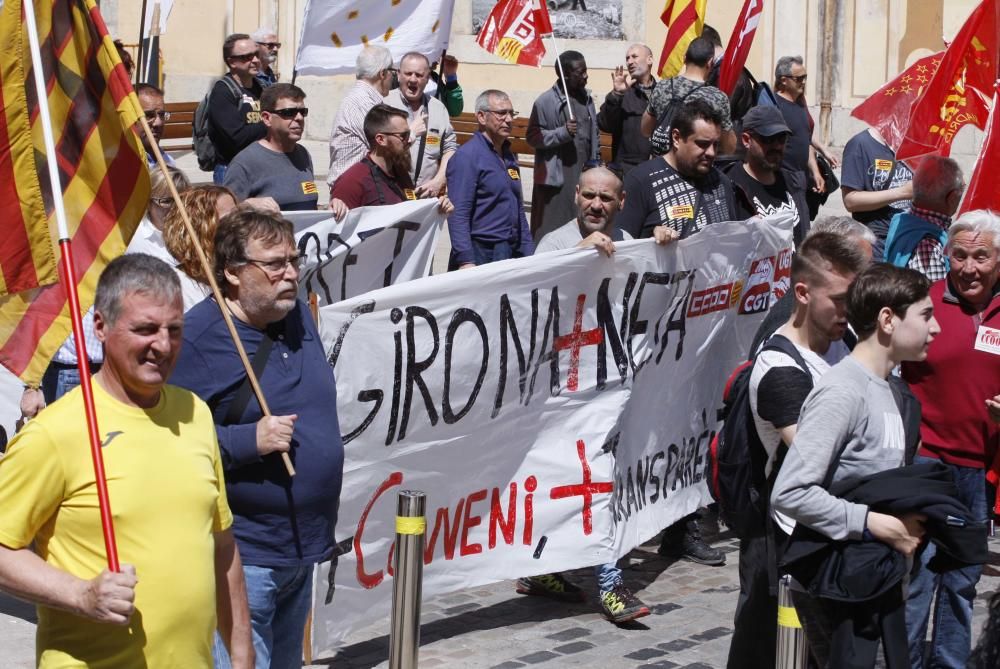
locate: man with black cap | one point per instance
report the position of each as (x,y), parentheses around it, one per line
(760,186)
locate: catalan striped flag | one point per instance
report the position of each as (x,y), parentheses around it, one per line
(684,20)
(101,164)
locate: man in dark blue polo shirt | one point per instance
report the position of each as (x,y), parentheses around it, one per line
(484,184)
(283,525)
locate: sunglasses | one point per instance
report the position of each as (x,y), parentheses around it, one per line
(404,136)
(288,113)
(243,57)
(800,79)
(270,45)
(153,114)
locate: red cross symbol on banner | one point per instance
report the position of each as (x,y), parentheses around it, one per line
(576,340)
(586,489)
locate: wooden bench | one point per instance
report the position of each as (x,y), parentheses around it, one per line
(178,132)
(465,124)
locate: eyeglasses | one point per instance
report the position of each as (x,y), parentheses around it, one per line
(162,201)
(275,268)
(403,136)
(244,57)
(153,114)
(503,113)
(800,79)
(393,71)
(288,113)
(270,45)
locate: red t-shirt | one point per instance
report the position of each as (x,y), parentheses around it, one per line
(366,185)
(955,380)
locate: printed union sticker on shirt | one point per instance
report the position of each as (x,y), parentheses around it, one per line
(680,211)
(988,340)
(883,165)
(309,188)
(513,173)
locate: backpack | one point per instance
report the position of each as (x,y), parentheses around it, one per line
(736,455)
(203,146)
(661,140)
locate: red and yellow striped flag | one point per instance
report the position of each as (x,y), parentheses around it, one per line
(684,20)
(101,164)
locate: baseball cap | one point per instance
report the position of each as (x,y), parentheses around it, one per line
(766,121)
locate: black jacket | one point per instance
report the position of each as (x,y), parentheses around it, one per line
(621,116)
(857,571)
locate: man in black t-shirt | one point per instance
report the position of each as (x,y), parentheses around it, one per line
(875,185)
(759,183)
(681,189)
(234,103)
(790,85)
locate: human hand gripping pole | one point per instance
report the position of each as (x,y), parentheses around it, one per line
(210,275)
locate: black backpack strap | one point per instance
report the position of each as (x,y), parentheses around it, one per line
(782,343)
(242,397)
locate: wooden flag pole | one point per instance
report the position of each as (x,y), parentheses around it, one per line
(69,279)
(206,267)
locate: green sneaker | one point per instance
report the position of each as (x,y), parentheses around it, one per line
(550,585)
(621,606)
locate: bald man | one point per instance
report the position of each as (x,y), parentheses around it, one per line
(599,198)
(621,113)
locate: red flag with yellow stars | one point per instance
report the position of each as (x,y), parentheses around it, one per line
(950,100)
(982,192)
(102,168)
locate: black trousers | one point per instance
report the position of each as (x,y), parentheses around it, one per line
(755,629)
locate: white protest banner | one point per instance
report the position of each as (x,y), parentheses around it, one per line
(523,397)
(10,403)
(335,31)
(371,248)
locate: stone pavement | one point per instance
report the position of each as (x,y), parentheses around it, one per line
(493,627)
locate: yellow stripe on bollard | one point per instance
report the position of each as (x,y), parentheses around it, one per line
(787,617)
(405,525)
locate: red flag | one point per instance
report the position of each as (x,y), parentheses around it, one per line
(514,30)
(948,101)
(982,192)
(739,45)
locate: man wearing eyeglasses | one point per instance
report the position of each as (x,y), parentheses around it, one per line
(151,101)
(383,176)
(234,103)
(278,166)
(348,144)
(759,183)
(484,182)
(268,45)
(283,525)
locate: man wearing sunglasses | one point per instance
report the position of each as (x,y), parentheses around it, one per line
(278,166)
(759,182)
(268,45)
(151,101)
(383,176)
(234,103)
(800,156)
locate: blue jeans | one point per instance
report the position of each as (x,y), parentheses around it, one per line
(951,593)
(59,379)
(484,252)
(607,575)
(219,173)
(280,598)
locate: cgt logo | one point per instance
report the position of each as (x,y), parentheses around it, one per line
(717,298)
(757,296)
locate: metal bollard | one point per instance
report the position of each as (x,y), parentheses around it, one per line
(408,564)
(793,653)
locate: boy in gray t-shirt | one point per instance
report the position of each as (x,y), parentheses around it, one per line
(850,427)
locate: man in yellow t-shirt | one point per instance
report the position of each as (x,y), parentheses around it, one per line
(167,496)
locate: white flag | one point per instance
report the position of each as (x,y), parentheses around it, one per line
(334,33)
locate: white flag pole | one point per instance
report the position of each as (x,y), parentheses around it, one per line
(562,76)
